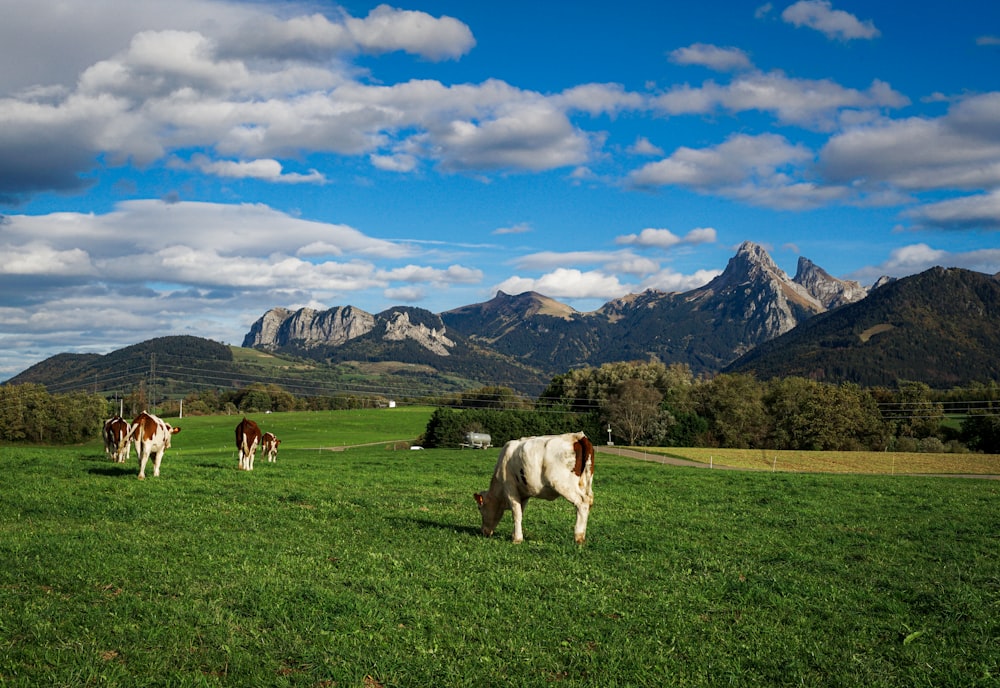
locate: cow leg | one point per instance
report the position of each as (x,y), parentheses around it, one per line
(582,512)
(156,463)
(143,458)
(517,509)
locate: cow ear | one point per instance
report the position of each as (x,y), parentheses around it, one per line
(479,499)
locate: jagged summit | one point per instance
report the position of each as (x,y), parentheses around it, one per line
(826,289)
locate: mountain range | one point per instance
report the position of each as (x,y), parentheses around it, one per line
(940,327)
(752,301)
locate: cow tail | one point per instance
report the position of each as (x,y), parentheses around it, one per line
(584,455)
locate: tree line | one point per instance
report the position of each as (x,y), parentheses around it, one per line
(653,404)
(641,404)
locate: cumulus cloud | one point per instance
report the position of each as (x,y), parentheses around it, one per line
(960,150)
(834,24)
(267,170)
(981,211)
(317,37)
(568,283)
(260,89)
(644,146)
(664,238)
(761,170)
(809,103)
(670,280)
(597,99)
(712,56)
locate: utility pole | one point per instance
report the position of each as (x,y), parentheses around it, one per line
(152,383)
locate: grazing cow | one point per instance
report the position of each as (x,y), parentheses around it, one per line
(116,446)
(269,446)
(152,437)
(247,441)
(546,466)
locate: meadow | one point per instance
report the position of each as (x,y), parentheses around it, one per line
(365,567)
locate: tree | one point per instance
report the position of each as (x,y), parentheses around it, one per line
(981,431)
(913,412)
(811,415)
(634,412)
(733,405)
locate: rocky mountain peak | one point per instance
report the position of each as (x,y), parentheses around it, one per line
(398,327)
(825,288)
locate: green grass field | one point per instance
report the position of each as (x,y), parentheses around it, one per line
(365,568)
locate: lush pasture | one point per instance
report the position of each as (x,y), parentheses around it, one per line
(365,568)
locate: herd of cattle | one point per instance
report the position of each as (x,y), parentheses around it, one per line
(151,435)
(547,466)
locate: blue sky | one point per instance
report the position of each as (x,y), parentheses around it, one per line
(181,166)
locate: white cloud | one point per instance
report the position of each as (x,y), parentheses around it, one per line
(664,238)
(814,104)
(529,136)
(400,162)
(266,170)
(712,56)
(960,150)
(834,24)
(758,169)
(672,281)
(981,211)
(387,28)
(597,99)
(643,146)
(519,228)
(545,260)
(568,283)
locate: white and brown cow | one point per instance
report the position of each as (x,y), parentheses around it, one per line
(116,446)
(152,437)
(546,467)
(269,446)
(247,441)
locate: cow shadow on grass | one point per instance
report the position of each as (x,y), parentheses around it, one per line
(469,530)
(113,471)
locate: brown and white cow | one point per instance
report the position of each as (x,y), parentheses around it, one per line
(116,446)
(152,437)
(546,467)
(247,441)
(269,446)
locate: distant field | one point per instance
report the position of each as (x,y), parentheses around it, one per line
(884,463)
(320,430)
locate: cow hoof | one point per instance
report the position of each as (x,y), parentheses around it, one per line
(517,541)
(580,539)
(142,477)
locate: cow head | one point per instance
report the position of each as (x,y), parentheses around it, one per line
(491,511)
(170,431)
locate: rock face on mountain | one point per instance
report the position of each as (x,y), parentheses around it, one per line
(828,290)
(399,328)
(751,302)
(307,328)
